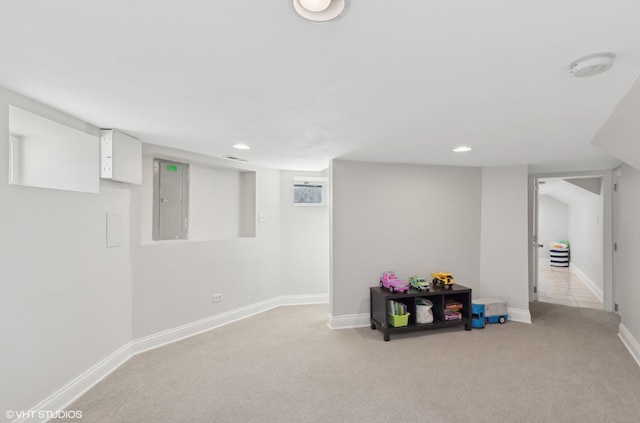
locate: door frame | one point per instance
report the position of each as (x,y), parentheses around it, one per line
(616,187)
(608,282)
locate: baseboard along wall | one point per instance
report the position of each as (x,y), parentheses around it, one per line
(62,398)
(349,321)
(597,291)
(630,342)
(77,387)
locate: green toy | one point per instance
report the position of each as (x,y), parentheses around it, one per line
(419,283)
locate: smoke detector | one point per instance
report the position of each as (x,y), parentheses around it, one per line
(592,64)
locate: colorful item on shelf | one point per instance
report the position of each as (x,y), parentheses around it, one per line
(391,282)
(419,283)
(443,279)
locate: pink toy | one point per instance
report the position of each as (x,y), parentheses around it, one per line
(392,283)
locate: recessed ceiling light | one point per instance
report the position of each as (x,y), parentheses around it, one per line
(315,5)
(319,10)
(462,149)
(241,146)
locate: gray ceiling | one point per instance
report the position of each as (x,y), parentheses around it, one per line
(391,81)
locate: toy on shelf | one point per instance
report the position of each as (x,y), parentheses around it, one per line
(424,314)
(392,283)
(419,283)
(443,279)
(452,310)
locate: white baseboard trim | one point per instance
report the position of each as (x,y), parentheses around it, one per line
(630,342)
(597,291)
(287,300)
(194,328)
(519,315)
(544,261)
(73,390)
(349,321)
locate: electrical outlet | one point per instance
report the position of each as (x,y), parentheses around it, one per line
(217,298)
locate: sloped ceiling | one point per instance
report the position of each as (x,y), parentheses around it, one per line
(392,81)
(620,135)
(570,191)
(593,185)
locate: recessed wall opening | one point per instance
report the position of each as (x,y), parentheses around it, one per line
(207,202)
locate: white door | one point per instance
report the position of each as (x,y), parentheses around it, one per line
(534,242)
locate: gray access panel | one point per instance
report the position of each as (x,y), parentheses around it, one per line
(170,200)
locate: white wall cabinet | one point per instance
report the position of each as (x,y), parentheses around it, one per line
(120,157)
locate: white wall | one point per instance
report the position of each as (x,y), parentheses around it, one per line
(67,302)
(174,281)
(504,241)
(628,239)
(65,299)
(304,242)
(412,219)
(214,203)
(619,134)
(60,163)
(586,234)
(553,223)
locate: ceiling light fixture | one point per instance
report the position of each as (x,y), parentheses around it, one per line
(315,5)
(319,10)
(592,64)
(241,146)
(462,149)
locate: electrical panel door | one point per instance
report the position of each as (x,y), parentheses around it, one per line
(170,194)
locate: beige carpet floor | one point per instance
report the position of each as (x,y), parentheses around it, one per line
(285,365)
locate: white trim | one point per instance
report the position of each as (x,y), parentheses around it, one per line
(630,342)
(288,300)
(544,262)
(62,398)
(519,315)
(349,321)
(194,328)
(597,291)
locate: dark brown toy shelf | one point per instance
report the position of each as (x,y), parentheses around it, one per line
(379,302)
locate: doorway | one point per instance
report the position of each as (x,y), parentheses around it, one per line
(574,211)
